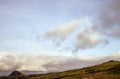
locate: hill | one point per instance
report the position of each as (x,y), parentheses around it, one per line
(106,70)
(16,73)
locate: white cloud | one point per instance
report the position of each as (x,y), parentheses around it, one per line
(34,62)
(13,61)
(88,38)
(64,30)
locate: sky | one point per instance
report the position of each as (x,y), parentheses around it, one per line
(59,32)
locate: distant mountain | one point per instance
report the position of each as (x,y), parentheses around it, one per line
(16,73)
(6,73)
(106,70)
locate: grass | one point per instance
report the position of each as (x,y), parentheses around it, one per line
(106,76)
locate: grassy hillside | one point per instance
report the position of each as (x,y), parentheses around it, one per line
(107,70)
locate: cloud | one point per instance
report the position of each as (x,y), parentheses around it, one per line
(109,19)
(104,25)
(36,62)
(79,62)
(63,31)
(110,15)
(13,61)
(88,39)
(107,24)
(115,33)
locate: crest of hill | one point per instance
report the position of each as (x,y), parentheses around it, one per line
(16,73)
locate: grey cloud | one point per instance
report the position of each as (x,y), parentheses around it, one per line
(107,24)
(89,38)
(109,19)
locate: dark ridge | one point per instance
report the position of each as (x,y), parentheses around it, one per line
(112,61)
(16,73)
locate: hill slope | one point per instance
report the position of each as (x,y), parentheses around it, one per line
(107,70)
